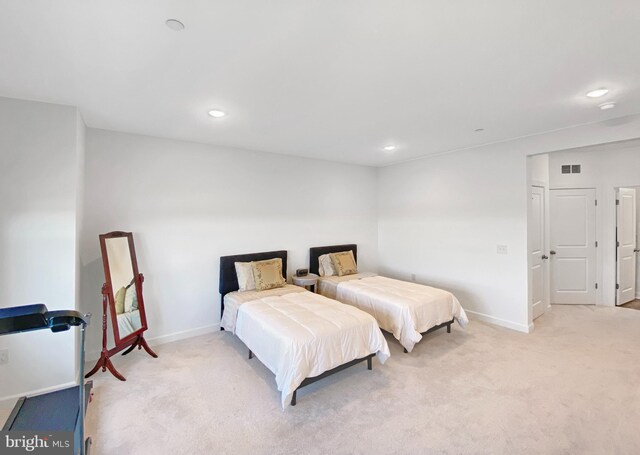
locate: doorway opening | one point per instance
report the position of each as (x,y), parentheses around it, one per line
(627,248)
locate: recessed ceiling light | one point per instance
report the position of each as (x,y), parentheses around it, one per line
(174,24)
(217,113)
(389,148)
(606,106)
(597,93)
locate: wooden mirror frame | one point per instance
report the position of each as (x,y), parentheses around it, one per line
(137,277)
(133,339)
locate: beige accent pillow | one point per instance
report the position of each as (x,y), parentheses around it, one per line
(130,299)
(325,266)
(119,298)
(244,272)
(268,274)
(344,263)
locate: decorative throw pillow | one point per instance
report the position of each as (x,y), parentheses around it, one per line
(325,266)
(244,272)
(268,274)
(119,298)
(130,299)
(344,263)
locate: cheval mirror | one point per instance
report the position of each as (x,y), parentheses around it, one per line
(122,299)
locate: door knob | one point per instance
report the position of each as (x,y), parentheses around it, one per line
(552,252)
(636,250)
(545,257)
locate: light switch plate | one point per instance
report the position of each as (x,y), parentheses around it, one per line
(502,249)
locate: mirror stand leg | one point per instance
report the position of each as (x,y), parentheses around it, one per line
(104,363)
(131,348)
(113,370)
(93,371)
(142,342)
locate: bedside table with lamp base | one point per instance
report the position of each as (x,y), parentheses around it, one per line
(309,281)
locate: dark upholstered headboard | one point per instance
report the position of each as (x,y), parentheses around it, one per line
(317,251)
(228,277)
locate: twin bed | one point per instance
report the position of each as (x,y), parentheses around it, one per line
(300,336)
(303,337)
(406,310)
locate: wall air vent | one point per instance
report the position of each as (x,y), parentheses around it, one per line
(571,168)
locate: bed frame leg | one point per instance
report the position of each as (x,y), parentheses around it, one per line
(449,328)
(369,366)
(293,398)
(250,354)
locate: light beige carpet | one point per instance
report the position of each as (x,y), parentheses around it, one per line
(571,387)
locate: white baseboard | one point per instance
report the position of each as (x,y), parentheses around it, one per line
(501,322)
(9,401)
(92,356)
(189,333)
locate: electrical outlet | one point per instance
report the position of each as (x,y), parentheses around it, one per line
(413,277)
(502,249)
(4,356)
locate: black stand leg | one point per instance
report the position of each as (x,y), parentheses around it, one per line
(369,363)
(293,398)
(131,348)
(448,328)
(250,354)
(405,351)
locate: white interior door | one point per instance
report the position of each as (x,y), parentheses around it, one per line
(626,245)
(573,246)
(537,257)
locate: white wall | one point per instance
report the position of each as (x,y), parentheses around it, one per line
(188,204)
(39,162)
(80,164)
(441,217)
(604,168)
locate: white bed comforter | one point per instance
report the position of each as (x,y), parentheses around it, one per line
(301,334)
(402,308)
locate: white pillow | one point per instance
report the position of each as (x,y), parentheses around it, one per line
(130,299)
(325,266)
(244,271)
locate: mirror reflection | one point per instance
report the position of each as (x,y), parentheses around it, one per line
(123,286)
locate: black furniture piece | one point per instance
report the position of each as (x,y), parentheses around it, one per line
(317,251)
(229,283)
(63,410)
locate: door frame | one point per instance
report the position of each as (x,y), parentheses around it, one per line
(615,239)
(545,187)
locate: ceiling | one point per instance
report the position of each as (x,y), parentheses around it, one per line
(329,79)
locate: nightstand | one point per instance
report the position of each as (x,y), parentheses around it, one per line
(308,281)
